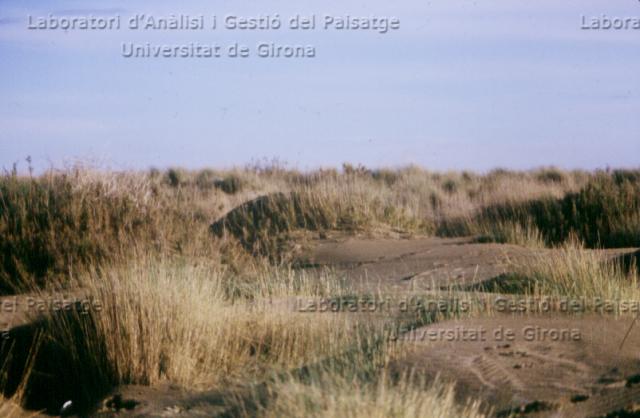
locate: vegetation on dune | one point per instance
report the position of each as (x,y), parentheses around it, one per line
(577,273)
(60,223)
(604,213)
(184,323)
(177,260)
(264,225)
(331,395)
(49,225)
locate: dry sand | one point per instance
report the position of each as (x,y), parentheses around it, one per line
(570,366)
(421,263)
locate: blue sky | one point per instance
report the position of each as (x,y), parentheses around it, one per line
(462,85)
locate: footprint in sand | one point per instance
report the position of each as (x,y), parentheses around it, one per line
(493,374)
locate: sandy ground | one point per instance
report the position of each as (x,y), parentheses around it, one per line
(422,263)
(162,401)
(417,264)
(570,366)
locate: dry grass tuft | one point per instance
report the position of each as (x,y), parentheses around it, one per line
(527,235)
(328,396)
(166,321)
(575,272)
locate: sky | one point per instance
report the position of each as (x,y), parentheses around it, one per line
(461,85)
